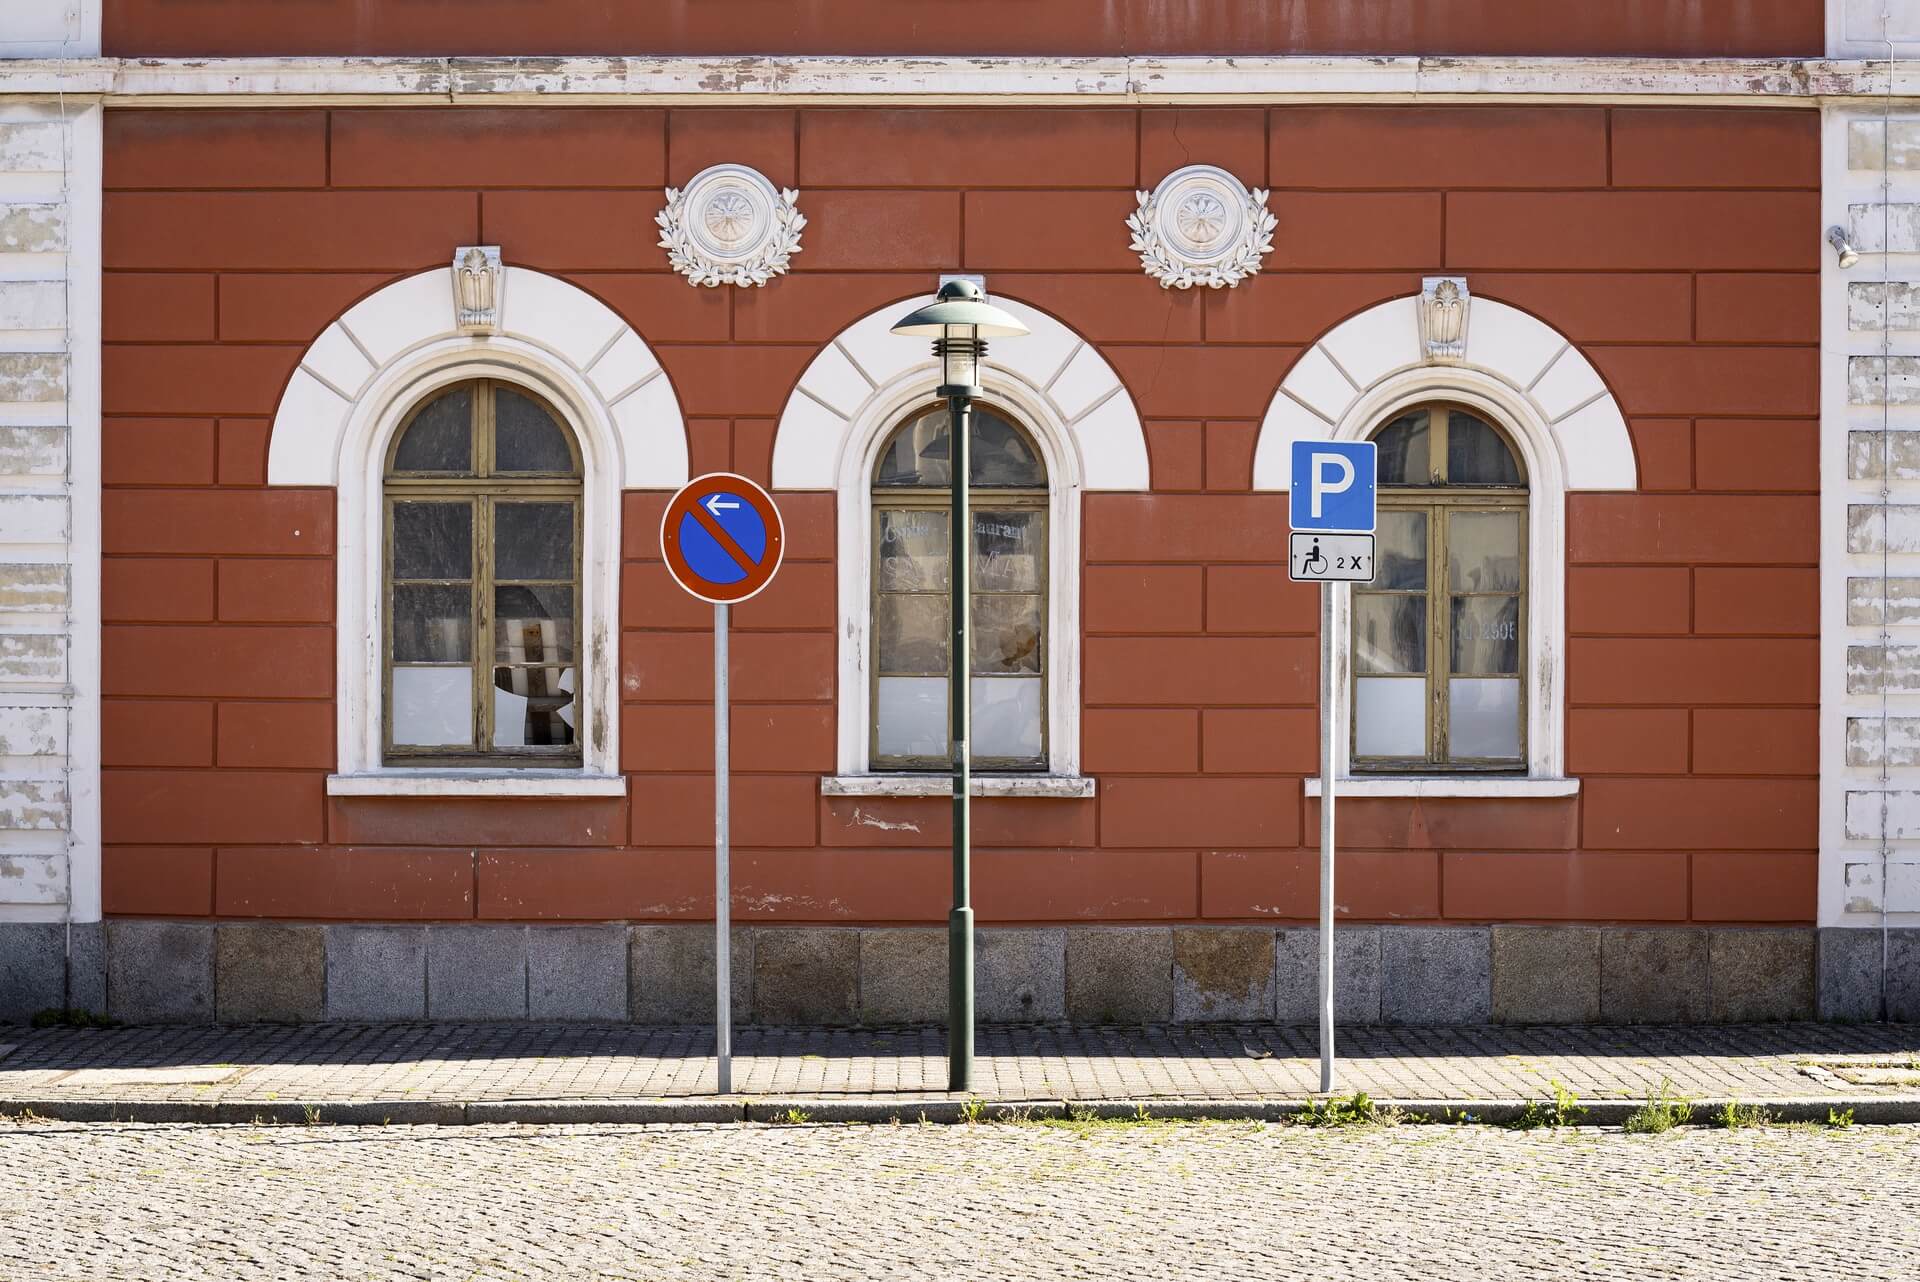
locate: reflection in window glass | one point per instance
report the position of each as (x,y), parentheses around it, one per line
(440,436)
(1476,454)
(1008,616)
(482,566)
(526,438)
(1448,603)
(1001,456)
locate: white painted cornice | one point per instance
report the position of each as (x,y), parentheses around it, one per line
(1074,81)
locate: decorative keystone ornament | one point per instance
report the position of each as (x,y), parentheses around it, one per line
(729,226)
(1443,319)
(1200,226)
(477,282)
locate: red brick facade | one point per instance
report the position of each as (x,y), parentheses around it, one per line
(1675,246)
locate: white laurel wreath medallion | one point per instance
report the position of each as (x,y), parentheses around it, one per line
(730,226)
(1200,226)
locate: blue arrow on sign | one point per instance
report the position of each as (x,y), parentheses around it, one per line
(706,555)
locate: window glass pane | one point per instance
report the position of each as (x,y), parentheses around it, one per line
(913,551)
(1001,457)
(1483,552)
(1483,717)
(1389,633)
(912,717)
(1006,633)
(432,623)
(1401,561)
(440,438)
(1390,717)
(917,454)
(910,634)
(533,540)
(1006,717)
(525,436)
(1404,454)
(433,707)
(532,707)
(532,625)
(1476,454)
(433,540)
(1008,548)
(1486,634)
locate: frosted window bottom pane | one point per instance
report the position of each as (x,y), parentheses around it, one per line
(1390,719)
(1483,717)
(912,717)
(433,707)
(1006,717)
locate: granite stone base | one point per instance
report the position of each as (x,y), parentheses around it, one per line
(143,971)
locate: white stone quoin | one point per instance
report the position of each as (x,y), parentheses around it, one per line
(49,506)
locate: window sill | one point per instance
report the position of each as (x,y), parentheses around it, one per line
(911,785)
(1449,786)
(476,783)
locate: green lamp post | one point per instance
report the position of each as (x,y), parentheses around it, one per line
(959,324)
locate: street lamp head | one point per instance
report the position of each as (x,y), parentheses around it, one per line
(959,322)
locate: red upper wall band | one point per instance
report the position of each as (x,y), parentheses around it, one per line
(1647,28)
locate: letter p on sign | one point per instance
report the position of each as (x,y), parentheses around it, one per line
(1333,486)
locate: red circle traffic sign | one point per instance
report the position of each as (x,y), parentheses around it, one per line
(721,537)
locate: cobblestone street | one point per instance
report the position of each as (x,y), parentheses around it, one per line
(1161,1201)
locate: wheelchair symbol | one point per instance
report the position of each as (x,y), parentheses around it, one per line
(1314,562)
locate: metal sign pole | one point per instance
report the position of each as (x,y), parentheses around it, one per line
(1329,728)
(722,875)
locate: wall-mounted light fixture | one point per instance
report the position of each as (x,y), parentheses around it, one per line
(1837,237)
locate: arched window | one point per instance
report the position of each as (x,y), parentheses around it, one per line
(1439,635)
(482,571)
(910,664)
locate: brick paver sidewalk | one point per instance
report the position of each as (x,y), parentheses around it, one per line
(495,1072)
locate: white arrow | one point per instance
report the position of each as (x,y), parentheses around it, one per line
(713,505)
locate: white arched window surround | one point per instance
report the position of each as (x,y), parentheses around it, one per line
(337,420)
(1081,419)
(1556,410)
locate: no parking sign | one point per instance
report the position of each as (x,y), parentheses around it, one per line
(721,537)
(722,541)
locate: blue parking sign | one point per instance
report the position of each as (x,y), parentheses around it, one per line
(1333,486)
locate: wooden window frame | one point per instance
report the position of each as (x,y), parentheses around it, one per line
(915,498)
(1441,502)
(482,489)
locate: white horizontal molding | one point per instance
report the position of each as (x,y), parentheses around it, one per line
(476,783)
(1448,786)
(904,785)
(960,79)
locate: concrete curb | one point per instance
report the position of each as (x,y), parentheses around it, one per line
(942,1110)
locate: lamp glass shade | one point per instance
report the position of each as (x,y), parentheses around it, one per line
(960,351)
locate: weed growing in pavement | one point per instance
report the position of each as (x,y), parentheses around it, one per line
(973,1111)
(1357,1109)
(1839,1119)
(1083,1120)
(72,1017)
(1734,1116)
(797,1117)
(1564,1109)
(311,1113)
(1662,1112)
